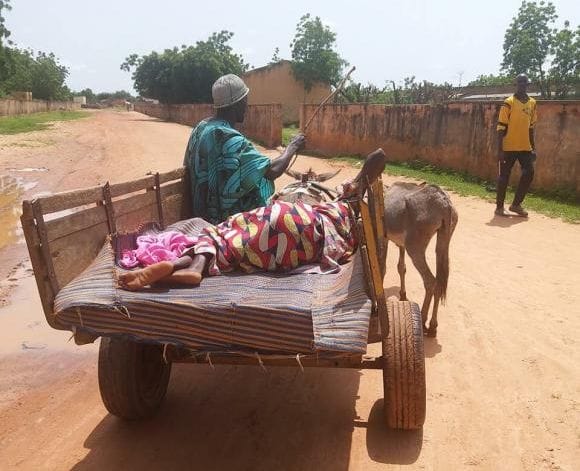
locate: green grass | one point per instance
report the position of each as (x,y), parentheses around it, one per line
(36,121)
(560,203)
(288,133)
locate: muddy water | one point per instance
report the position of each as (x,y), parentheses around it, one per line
(22,322)
(12,190)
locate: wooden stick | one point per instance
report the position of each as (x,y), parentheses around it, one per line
(336,90)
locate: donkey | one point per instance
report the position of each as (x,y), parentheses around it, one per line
(413,215)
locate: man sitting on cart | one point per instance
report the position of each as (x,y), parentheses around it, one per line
(278,237)
(228,174)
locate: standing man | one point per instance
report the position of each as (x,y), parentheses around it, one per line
(515,127)
(228,175)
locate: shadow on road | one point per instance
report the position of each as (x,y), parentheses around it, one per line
(236,418)
(391,446)
(505,221)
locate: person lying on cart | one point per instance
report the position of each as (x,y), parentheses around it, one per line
(227,173)
(278,237)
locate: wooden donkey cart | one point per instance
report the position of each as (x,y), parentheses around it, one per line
(305,319)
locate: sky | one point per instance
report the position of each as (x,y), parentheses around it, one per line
(443,40)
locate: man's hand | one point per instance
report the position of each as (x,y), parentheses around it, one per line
(297,143)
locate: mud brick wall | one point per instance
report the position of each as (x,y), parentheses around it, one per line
(263,123)
(9,107)
(459,136)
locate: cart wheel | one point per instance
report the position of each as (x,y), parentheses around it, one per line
(133,377)
(404,368)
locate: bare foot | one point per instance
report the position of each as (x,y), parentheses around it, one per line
(183,277)
(138,279)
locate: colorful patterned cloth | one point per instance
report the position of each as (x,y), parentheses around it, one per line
(227,172)
(278,237)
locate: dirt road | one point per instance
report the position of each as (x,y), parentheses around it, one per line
(503,380)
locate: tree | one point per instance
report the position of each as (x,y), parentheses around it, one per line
(41,74)
(275,57)
(186,74)
(4,33)
(565,70)
(491,80)
(313,56)
(528,42)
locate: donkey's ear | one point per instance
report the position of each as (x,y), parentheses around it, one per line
(327,176)
(293,174)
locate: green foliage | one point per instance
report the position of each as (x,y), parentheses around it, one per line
(36,121)
(532,43)
(565,70)
(313,56)
(186,74)
(40,73)
(410,92)
(528,41)
(562,203)
(4,32)
(275,57)
(288,133)
(491,80)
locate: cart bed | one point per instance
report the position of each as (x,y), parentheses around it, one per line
(268,313)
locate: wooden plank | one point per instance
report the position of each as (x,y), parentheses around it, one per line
(376,196)
(176,174)
(171,189)
(119,189)
(133,203)
(75,222)
(44,245)
(69,199)
(158,200)
(172,209)
(71,254)
(110,210)
(38,265)
(132,220)
(376,275)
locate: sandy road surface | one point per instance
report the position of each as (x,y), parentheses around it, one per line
(503,381)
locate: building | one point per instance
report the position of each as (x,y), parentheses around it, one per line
(275,83)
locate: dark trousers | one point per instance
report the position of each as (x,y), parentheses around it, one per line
(526,161)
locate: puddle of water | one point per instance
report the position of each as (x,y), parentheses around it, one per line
(28,169)
(12,191)
(23,327)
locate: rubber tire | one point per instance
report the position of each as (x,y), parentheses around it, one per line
(404,367)
(133,378)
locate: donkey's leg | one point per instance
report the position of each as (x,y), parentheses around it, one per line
(402,270)
(416,249)
(432,330)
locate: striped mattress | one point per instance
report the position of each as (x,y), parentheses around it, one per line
(305,312)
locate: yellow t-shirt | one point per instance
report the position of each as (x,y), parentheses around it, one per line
(517,118)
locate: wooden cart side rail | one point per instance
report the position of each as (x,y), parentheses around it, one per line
(52,241)
(372,245)
(75,198)
(45,290)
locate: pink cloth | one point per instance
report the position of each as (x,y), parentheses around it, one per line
(155,248)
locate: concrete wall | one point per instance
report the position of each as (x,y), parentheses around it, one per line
(263,123)
(276,84)
(459,136)
(11,107)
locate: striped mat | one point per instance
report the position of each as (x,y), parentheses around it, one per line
(269,313)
